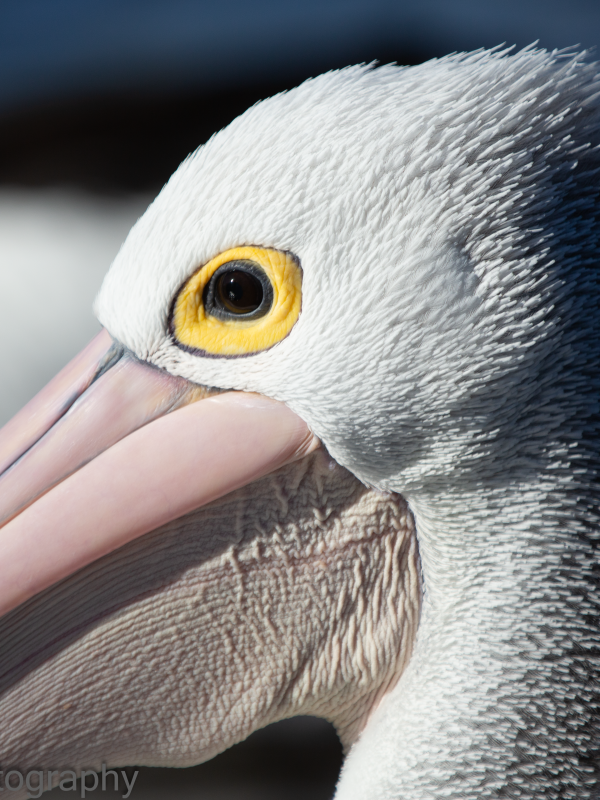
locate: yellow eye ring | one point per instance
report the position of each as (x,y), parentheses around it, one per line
(203,324)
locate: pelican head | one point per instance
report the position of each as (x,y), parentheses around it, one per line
(383,283)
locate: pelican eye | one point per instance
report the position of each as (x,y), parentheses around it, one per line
(241,302)
(236,289)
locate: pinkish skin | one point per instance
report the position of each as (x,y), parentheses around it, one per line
(34,419)
(122,462)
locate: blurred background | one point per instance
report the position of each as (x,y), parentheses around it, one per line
(100,100)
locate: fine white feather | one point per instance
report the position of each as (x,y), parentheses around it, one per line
(445,217)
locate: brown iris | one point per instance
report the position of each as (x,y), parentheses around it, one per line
(239,292)
(238,289)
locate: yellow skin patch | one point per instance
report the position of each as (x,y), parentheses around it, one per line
(194,328)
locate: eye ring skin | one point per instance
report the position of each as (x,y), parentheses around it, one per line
(210,302)
(196,329)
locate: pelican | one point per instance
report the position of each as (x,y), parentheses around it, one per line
(335,451)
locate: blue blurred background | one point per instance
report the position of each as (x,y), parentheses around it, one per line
(100,100)
(63,49)
(110,95)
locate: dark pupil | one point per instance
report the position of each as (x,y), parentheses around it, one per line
(239,292)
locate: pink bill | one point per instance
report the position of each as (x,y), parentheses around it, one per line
(123,462)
